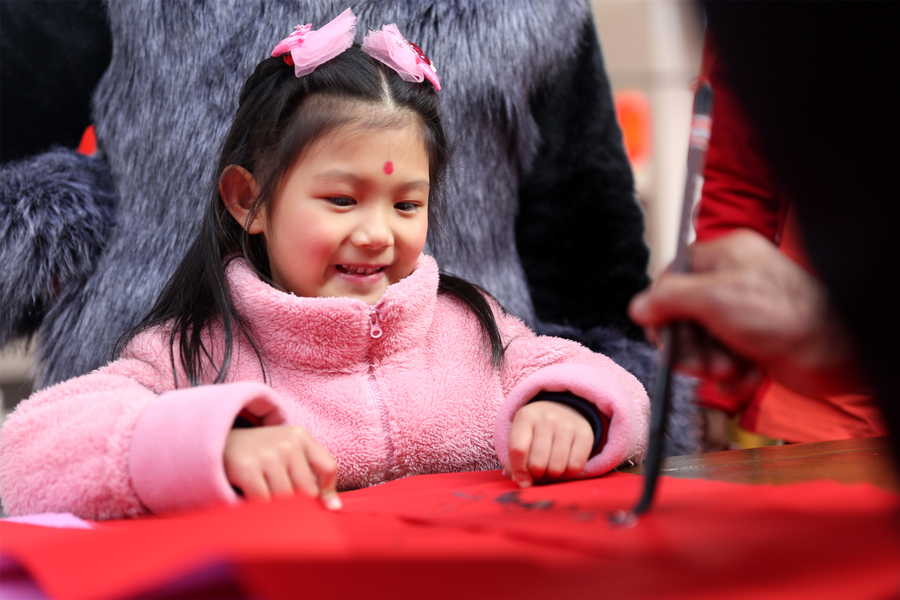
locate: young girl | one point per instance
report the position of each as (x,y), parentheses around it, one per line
(305,344)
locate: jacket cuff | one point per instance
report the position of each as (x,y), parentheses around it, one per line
(627,435)
(176,455)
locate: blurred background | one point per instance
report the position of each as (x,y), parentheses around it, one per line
(652,51)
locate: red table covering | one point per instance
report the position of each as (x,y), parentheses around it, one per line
(475,535)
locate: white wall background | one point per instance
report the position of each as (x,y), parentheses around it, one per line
(655,46)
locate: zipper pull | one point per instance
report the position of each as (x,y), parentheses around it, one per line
(374,328)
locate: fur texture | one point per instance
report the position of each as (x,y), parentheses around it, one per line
(164,104)
(161,149)
(421,398)
(56,212)
(580,230)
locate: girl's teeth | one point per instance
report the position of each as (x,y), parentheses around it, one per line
(360,270)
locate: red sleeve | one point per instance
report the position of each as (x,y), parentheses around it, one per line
(738,190)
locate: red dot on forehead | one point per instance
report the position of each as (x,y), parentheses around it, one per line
(388,168)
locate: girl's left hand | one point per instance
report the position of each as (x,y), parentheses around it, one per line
(547,439)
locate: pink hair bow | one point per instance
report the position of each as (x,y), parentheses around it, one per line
(406,58)
(308,48)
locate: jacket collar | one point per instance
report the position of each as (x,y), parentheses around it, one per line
(335,333)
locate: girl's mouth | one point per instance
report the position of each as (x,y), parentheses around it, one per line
(353,270)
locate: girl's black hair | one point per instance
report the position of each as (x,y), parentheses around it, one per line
(278,117)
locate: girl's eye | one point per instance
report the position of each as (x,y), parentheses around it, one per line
(406,206)
(339,201)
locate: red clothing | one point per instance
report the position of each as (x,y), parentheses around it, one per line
(739,191)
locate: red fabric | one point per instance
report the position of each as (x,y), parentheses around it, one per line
(790,416)
(739,191)
(88,144)
(474,535)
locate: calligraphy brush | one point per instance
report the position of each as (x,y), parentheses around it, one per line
(662,384)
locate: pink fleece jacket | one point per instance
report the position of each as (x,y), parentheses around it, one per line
(421,397)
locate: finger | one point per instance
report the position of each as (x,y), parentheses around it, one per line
(302,477)
(242,470)
(278,479)
(674,297)
(581,452)
(724,365)
(639,308)
(719,362)
(251,481)
(332,501)
(700,354)
(539,455)
(689,352)
(560,452)
(652,335)
(324,468)
(520,437)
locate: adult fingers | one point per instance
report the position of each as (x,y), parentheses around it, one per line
(653,335)
(674,297)
(700,354)
(726,366)
(691,347)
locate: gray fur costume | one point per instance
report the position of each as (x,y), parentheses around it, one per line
(541,209)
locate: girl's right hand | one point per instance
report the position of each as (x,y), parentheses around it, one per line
(280,461)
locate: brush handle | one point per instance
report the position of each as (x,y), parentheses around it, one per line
(701,125)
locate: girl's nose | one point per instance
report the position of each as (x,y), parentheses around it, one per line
(373,232)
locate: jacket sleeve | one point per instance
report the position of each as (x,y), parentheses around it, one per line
(738,192)
(122,442)
(738,188)
(532,364)
(580,228)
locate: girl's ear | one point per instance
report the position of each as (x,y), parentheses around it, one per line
(237,187)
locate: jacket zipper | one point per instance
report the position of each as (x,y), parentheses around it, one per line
(376,332)
(374,327)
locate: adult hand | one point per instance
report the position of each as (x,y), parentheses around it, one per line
(756,305)
(547,439)
(279,461)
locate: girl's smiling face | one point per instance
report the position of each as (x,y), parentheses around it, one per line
(351,216)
